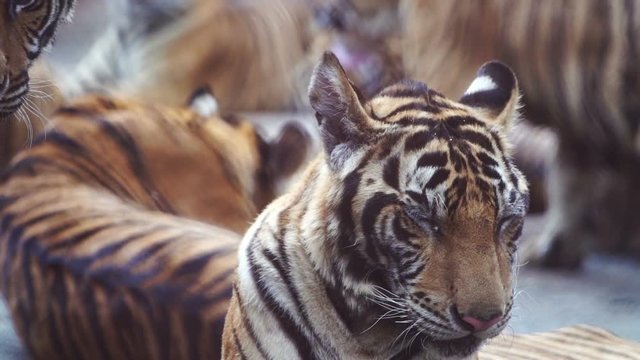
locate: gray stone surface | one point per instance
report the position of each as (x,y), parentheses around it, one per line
(10,347)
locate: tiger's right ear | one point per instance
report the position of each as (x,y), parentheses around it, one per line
(340,113)
(495,93)
(203,102)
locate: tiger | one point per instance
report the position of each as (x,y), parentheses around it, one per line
(31,119)
(27,28)
(254,46)
(399,241)
(119,226)
(577,61)
(365,36)
(267,49)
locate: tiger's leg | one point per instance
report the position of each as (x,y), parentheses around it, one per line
(591,205)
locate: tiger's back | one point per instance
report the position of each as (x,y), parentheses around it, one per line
(101,257)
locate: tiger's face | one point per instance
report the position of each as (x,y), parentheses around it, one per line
(27,27)
(437,203)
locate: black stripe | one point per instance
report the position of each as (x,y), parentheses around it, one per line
(195,266)
(391,172)
(486,159)
(417,141)
(281,264)
(91,310)
(459,121)
(59,291)
(356,264)
(477,138)
(402,235)
(285,320)
(97,172)
(491,172)
(435,159)
(413,106)
(237,344)
(416,121)
(246,322)
(128,145)
(439,176)
(370,214)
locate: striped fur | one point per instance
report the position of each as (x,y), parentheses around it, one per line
(267,49)
(100,252)
(577,62)
(403,230)
(577,342)
(228,44)
(26,29)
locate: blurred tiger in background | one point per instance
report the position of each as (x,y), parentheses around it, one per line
(366,38)
(256,55)
(578,65)
(247,51)
(119,229)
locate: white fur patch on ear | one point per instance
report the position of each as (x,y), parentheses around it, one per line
(204,103)
(481,83)
(494,91)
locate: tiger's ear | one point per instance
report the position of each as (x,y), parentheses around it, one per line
(338,108)
(495,92)
(289,149)
(203,102)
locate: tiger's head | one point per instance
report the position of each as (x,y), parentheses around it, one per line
(27,27)
(430,203)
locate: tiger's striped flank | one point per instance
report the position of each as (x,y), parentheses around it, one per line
(101,255)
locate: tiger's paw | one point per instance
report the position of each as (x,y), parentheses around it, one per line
(562,253)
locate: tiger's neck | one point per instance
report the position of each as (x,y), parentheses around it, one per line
(297,288)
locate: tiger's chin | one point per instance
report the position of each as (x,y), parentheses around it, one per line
(459,348)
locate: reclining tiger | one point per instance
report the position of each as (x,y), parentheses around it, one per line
(100,256)
(400,240)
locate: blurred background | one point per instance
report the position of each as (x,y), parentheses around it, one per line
(577,63)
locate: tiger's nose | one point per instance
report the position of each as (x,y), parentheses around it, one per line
(478,321)
(481,324)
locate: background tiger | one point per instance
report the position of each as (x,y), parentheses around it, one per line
(267,49)
(577,61)
(399,242)
(26,29)
(100,252)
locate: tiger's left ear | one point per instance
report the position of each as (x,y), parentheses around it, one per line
(495,92)
(203,102)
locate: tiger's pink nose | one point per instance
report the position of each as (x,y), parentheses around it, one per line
(481,324)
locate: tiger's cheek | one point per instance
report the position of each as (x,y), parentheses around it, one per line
(435,279)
